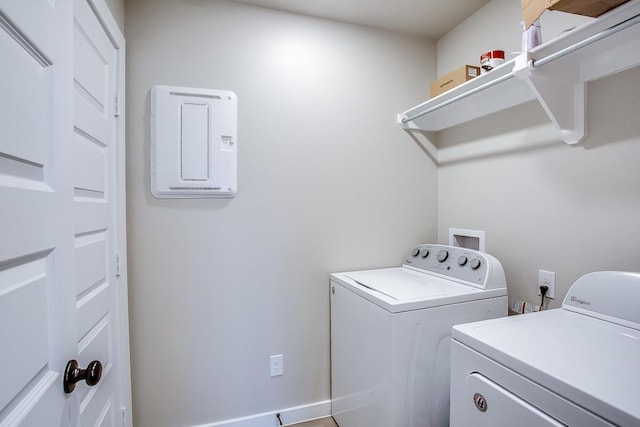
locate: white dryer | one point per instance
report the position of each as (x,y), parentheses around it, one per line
(391,334)
(578,365)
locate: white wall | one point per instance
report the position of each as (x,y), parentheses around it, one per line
(327,182)
(544,204)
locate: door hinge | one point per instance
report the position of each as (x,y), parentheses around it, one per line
(124,416)
(117,262)
(117,107)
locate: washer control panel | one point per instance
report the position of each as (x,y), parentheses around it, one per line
(476,268)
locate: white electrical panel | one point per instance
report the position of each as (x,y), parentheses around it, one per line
(193,142)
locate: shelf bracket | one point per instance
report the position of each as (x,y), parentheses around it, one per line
(563,101)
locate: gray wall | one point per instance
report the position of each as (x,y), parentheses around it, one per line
(544,204)
(327,182)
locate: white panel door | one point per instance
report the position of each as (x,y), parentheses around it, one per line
(58,296)
(36,253)
(94,185)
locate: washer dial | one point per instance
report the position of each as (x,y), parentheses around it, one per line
(443,255)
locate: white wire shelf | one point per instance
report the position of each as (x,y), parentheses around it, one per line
(555,74)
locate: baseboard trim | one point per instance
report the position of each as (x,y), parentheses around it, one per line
(296,414)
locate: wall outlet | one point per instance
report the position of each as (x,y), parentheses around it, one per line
(276,363)
(547,278)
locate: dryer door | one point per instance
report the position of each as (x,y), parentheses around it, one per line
(486,404)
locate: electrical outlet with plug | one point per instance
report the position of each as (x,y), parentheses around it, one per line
(548,279)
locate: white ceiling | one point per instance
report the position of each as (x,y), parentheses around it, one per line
(429,18)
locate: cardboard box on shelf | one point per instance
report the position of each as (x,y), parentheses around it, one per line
(532,9)
(453,79)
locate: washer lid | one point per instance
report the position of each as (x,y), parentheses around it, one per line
(591,362)
(404,284)
(401,289)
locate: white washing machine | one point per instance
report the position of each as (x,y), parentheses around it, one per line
(578,365)
(391,334)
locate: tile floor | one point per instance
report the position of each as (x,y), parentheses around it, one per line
(320,422)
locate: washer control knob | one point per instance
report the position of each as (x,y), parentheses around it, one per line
(415,252)
(475,264)
(443,255)
(425,253)
(462,260)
